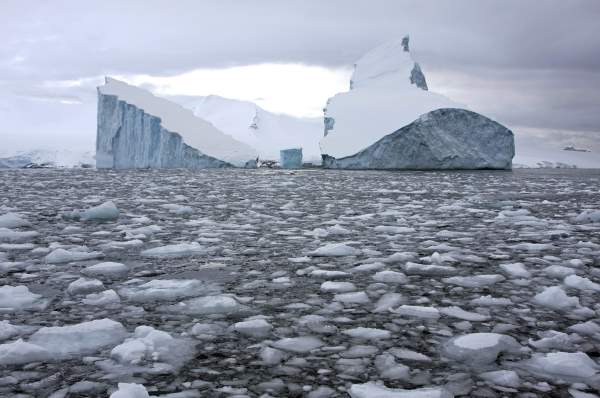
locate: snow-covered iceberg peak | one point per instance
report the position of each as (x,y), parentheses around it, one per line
(138,130)
(391,59)
(388,90)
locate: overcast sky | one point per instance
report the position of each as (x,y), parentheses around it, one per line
(532,65)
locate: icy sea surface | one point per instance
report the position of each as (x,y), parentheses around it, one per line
(248,283)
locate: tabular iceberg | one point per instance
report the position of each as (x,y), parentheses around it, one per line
(138,130)
(390,120)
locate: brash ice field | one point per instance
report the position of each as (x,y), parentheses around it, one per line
(247,283)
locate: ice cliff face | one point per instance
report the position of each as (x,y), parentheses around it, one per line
(138,130)
(388,91)
(266,131)
(441,139)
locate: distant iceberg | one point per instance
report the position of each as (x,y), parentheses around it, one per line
(390,120)
(139,130)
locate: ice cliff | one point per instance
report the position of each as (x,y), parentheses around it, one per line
(389,97)
(138,130)
(441,139)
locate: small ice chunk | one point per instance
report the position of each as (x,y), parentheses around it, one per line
(550,340)
(67,256)
(337,287)
(428,269)
(335,250)
(218,304)
(298,345)
(555,298)
(489,301)
(392,229)
(19,353)
(254,327)
(368,267)
(8,235)
(558,271)
(479,348)
(7,330)
(387,301)
(79,339)
(417,311)
(577,365)
(106,269)
(588,216)
(130,390)
(577,282)
(390,277)
(505,378)
(19,298)
(107,211)
(167,290)
(360,351)
(409,355)
(105,298)
(374,390)
(474,281)
(368,333)
(12,220)
(176,250)
(389,369)
(84,286)
(457,312)
(328,274)
(352,298)
(271,356)
(588,328)
(516,270)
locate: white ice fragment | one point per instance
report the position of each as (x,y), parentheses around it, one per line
(254,327)
(373,390)
(577,282)
(368,333)
(389,369)
(479,348)
(79,339)
(218,304)
(411,268)
(337,287)
(7,330)
(387,301)
(166,290)
(65,256)
(390,277)
(84,286)
(574,365)
(106,269)
(105,298)
(19,353)
(457,312)
(176,250)
(12,220)
(299,345)
(391,229)
(352,298)
(474,281)
(555,298)
(8,235)
(107,211)
(489,301)
(130,390)
(588,216)
(417,311)
(558,271)
(19,298)
(505,378)
(516,270)
(335,250)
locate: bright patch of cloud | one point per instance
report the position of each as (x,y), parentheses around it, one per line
(295,89)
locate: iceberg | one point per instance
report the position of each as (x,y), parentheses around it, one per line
(291,158)
(138,130)
(408,126)
(266,131)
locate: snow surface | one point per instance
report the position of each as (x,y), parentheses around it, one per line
(381,101)
(265,131)
(195,132)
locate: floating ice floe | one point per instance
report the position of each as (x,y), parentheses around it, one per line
(167,290)
(253,327)
(337,287)
(19,298)
(479,348)
(106,269)
(176,250)
(411,268)
(8,235)
(578,282)
(105,298)
(390,277)
(300,345)
(373,390)
(106,211)
(516,270)
(218,304)
(66,256)
(417,311)
(20,352)
(387,301)
(569,366)
(12,220)
(130,390)
(7,330)
(84,286)
(368,333)
(505,378)
(555,298)
(335,250)
(457,312)
(474,281)
(352,298)
(588,216)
